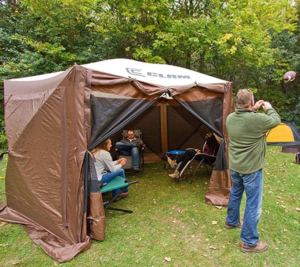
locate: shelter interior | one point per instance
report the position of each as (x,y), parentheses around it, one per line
(166,126)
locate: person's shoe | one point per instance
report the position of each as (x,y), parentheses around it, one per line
(228,226)
(174,175)
(261,246)
(136,169)
(172,163)
(122,195)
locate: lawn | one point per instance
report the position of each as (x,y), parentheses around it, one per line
(172,226)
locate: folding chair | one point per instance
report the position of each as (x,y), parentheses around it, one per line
(128,165)
(203,159)
(117,183)
(173,155)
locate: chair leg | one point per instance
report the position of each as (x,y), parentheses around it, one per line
(128,211)
(107,203)
(195,172)
(206,169)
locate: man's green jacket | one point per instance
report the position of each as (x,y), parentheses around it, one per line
(247,138)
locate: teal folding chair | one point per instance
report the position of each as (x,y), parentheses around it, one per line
(117,183)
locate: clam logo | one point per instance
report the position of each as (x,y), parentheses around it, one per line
(139,72)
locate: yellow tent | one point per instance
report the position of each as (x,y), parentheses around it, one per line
(283,134)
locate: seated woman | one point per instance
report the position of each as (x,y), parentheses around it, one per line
(106,168)
(210,148)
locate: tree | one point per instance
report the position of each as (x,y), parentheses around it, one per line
(251,43)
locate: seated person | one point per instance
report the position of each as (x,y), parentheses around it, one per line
(129,146)
(211,148)
(106,168)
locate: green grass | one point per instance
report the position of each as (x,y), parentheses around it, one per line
(172,226)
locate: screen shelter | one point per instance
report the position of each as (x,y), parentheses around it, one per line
(54,120)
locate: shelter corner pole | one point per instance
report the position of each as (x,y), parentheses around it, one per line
(164,128)
(86,173)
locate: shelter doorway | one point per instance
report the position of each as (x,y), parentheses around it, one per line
(166,126)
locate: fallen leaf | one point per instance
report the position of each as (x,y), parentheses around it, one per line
(167,259)
(2,223)
(182,186)
(297,209)
(218,207)
(214,222)
(212,247)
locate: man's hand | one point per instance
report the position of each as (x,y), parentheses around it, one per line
(258,104)
(267,105)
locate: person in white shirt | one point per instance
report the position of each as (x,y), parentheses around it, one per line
(106,168)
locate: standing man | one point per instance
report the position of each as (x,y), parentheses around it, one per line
(247,148)
(129,146)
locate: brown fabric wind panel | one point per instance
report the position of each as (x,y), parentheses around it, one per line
(220,182)
(45,163)
(26,96)
(219,188)
(38,146)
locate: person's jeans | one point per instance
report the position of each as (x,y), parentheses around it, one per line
(109,176)
(253,186)
(185,158)
(129,149)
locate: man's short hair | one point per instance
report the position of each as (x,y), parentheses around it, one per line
(130,131)
(244,98)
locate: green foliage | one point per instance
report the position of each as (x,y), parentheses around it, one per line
(294,113)
(251,43)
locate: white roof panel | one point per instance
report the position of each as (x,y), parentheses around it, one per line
(159,74)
